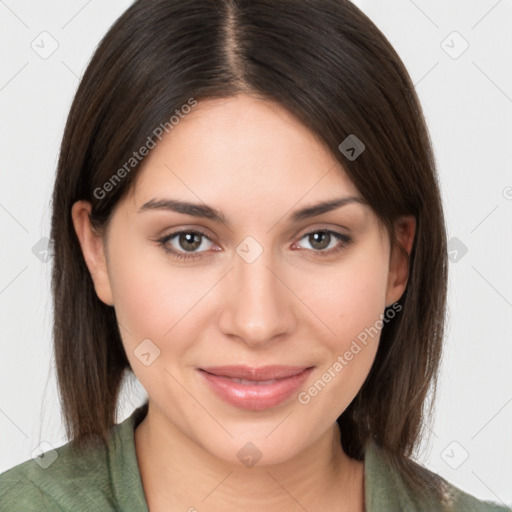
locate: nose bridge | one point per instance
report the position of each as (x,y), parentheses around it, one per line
(258,306)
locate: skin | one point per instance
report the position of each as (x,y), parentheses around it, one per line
(254,162)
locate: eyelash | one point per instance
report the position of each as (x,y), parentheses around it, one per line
(162,242)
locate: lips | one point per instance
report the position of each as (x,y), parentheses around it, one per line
(252,388)
(262,373)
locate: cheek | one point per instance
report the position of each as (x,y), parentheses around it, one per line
(150,295)
(154,301)
(351,304)
(141,296)
(352,293)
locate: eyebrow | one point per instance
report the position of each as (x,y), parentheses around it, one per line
(207,212)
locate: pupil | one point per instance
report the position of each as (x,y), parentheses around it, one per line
(322,235)
(190,241)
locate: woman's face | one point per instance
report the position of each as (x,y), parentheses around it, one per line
(269,284)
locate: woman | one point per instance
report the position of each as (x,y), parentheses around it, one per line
(246,216)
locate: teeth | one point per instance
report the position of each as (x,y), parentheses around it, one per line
(257,382)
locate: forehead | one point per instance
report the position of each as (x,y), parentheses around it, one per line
(244,146)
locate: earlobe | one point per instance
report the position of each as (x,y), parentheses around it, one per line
(93,250)
(405,230)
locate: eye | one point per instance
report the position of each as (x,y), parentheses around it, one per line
(185,244)
(326,242)
(188,245)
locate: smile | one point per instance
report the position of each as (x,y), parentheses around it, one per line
(255,389)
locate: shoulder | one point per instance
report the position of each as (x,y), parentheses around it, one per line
(101,476)
(58,479)
(455,499)
(387,489)
(19,493)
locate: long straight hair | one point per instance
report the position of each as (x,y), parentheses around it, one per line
(327,64)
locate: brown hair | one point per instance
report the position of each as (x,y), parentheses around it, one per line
(330,66)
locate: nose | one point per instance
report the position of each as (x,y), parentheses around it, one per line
(258,306)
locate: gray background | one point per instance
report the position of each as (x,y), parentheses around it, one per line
(467,97)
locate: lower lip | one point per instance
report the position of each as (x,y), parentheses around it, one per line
(255,397)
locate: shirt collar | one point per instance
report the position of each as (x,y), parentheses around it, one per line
(123,465)
(385,490)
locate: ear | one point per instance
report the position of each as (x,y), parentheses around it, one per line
(93,250)
(405,229)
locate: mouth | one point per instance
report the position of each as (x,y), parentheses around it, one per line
(253,388)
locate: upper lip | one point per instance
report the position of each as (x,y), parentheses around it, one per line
(255,373)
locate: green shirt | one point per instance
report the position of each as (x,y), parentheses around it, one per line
(109,480)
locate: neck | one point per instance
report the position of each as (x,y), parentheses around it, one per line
(179,474)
